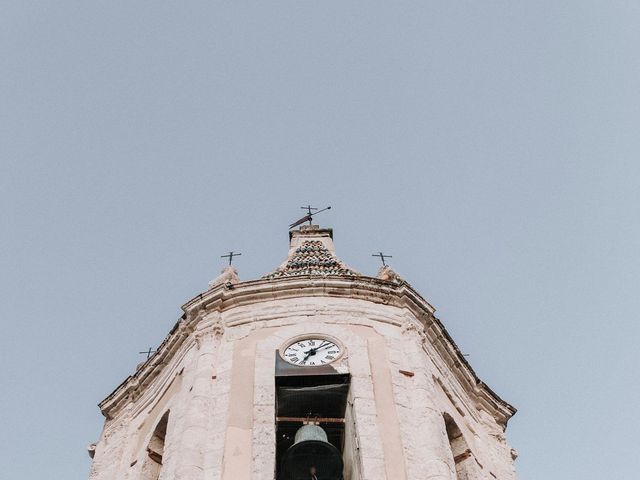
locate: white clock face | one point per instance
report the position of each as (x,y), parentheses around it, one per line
(311,352)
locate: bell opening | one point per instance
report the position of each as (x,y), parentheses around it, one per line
(310,428)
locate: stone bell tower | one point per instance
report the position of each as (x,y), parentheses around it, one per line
(313,371)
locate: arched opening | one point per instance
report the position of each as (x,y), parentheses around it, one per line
(152,466)
(465,463)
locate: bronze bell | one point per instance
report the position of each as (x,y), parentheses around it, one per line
(312,457)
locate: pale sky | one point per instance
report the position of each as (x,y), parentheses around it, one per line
(491,147)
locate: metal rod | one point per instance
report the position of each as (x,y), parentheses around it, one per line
(310,419)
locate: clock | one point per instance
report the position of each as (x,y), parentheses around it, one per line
(311,351)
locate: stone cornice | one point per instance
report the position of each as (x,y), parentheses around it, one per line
(226,296)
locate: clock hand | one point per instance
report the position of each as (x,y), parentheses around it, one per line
(309,353)
(322,348)
(314,350)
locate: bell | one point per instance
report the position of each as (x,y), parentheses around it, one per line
(312,457)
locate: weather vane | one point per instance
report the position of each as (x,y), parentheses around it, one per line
(309,216)
(382,257)
(230,256)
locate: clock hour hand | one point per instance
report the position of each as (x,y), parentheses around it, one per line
(308,354)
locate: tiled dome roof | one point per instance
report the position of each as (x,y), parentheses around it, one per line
(311,258)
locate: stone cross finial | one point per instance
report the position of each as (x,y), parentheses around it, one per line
(228,275)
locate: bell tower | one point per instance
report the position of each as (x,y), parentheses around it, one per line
(312,372)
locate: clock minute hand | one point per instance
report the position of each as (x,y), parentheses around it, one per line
(329,345)
(314,350)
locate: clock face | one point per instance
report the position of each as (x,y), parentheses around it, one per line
(312,352)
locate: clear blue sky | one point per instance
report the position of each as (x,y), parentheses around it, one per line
(491,147)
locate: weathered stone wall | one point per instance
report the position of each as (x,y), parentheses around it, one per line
(218,385)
